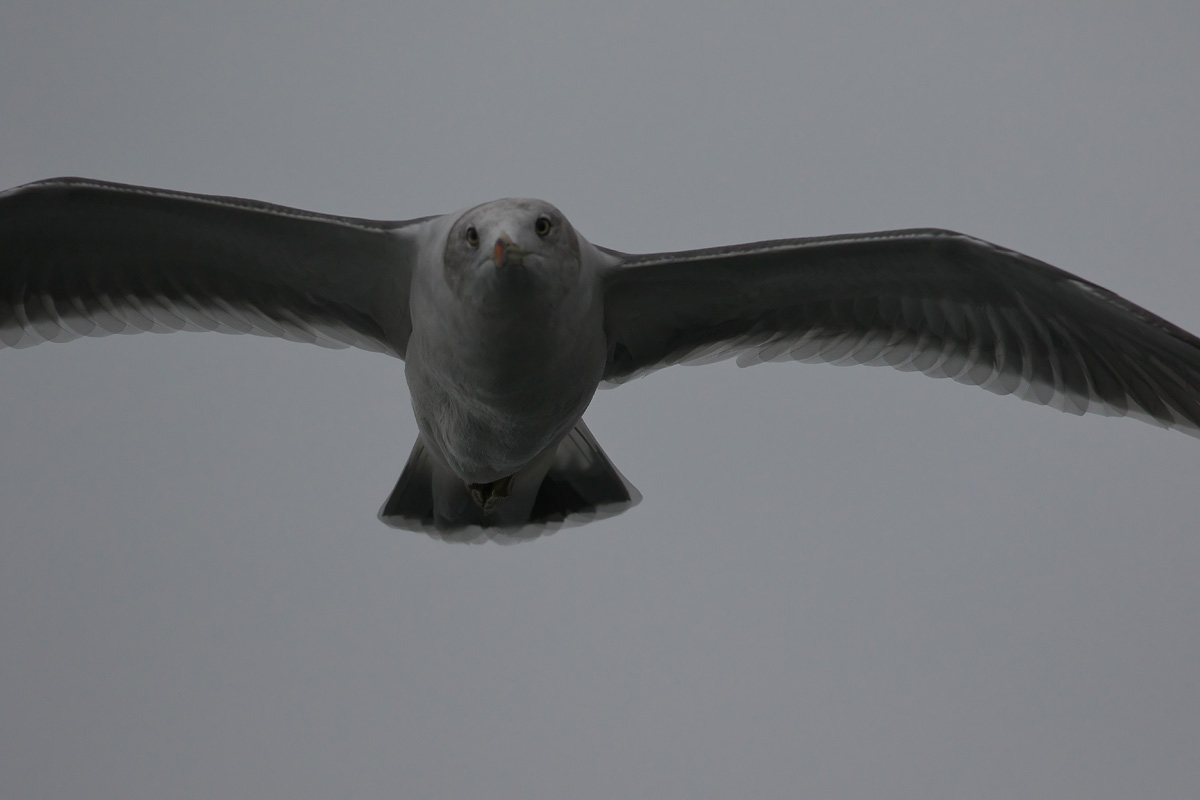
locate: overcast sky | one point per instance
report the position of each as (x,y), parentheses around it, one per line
(842,583)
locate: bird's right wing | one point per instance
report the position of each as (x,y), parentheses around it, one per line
(88,258)
(929,301)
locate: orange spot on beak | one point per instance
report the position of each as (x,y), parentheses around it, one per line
(506,252)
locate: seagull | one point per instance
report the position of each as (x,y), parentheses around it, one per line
(508,320)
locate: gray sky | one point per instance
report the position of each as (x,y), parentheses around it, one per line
(841,582)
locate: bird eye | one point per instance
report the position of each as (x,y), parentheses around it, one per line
(542,226)
(472,236)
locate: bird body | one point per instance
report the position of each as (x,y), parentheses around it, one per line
(503,359)
(508,320)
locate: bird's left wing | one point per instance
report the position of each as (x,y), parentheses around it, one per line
(931,301)
(88,258)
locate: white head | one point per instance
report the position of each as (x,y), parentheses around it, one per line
(512,246)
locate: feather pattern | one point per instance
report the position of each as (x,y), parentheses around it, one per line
(87,258)
(927,300)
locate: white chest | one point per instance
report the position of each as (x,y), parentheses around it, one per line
(491,393)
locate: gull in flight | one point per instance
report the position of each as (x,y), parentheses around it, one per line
(508,320)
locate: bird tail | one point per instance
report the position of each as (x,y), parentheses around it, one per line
(571,484)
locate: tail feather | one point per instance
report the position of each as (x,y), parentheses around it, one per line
(412,499)
(571,484)
(581,480)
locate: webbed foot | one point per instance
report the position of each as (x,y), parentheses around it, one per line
(488,495)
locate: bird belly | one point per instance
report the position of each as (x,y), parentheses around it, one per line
(490,410)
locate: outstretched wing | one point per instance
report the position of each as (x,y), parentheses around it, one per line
(88,258)
(930,301)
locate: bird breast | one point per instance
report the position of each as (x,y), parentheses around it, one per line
(499,389)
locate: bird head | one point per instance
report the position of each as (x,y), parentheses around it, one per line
(511,245)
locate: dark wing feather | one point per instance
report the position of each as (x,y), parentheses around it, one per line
(930,301)
(87,258)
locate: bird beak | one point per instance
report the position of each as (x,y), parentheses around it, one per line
(506,253)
